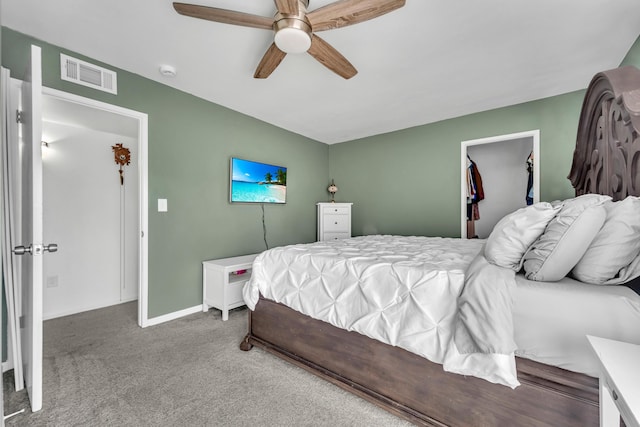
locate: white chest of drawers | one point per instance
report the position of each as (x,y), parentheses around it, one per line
(334,221)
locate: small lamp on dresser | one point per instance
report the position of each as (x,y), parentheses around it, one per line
(333,190)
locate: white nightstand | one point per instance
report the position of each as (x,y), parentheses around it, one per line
(334,221)
(222,282)
(619,381)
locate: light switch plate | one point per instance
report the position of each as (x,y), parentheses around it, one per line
(162,205)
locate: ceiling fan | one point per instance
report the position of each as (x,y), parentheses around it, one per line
(295,28)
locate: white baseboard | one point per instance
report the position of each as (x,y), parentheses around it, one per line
(172,316)
(8,365)
(148,322)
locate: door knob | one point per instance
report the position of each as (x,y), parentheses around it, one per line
(35,250)
(21,250)
(51,247)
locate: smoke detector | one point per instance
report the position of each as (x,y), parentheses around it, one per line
(168,71)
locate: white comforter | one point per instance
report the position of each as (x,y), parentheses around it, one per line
(399,290)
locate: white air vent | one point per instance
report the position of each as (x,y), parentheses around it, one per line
(83,73)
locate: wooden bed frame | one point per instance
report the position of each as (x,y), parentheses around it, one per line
(606,161)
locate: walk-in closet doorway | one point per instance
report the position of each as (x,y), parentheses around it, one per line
(502,163)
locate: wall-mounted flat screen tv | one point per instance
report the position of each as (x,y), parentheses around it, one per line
(255,182)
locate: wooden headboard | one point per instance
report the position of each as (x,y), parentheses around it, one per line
(606,159)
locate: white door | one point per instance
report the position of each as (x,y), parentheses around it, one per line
(32,248)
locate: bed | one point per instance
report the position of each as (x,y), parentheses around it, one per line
(549,387)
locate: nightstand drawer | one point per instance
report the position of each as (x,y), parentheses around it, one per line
(329,210)
(333,223)
(336,236)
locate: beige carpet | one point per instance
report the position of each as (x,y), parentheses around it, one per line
(101,369)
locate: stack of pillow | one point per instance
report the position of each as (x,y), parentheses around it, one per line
(590,237)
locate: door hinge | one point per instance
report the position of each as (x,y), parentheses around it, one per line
(19,116)
(21,322)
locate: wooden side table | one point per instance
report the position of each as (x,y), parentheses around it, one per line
(222,282)
(619,381)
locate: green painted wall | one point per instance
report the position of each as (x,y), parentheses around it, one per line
(408,182)
(633,56)
(190,143)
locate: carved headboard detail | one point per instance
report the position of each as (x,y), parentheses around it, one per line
(606,159)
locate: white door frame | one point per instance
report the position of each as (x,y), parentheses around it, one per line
(143,217)
(534,134)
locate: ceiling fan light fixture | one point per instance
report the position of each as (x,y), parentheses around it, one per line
(292,40)
(293,35)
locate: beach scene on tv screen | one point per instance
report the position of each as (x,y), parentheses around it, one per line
(258,182)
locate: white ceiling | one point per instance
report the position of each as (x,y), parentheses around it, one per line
(428,61)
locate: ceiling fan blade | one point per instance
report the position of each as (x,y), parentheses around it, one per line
(348,12)
(223,15)
(331,58)
(288,7)
(271,59)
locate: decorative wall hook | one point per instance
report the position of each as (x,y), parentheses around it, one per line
(122,157)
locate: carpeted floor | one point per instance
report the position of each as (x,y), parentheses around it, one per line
(101,369)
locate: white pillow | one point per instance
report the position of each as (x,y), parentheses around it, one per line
(615,246)
(627,273)
(566,238)
(513,234)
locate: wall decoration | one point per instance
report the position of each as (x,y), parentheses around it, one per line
(122,157)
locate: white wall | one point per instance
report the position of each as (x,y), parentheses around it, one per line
(82,215)
(502,166)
